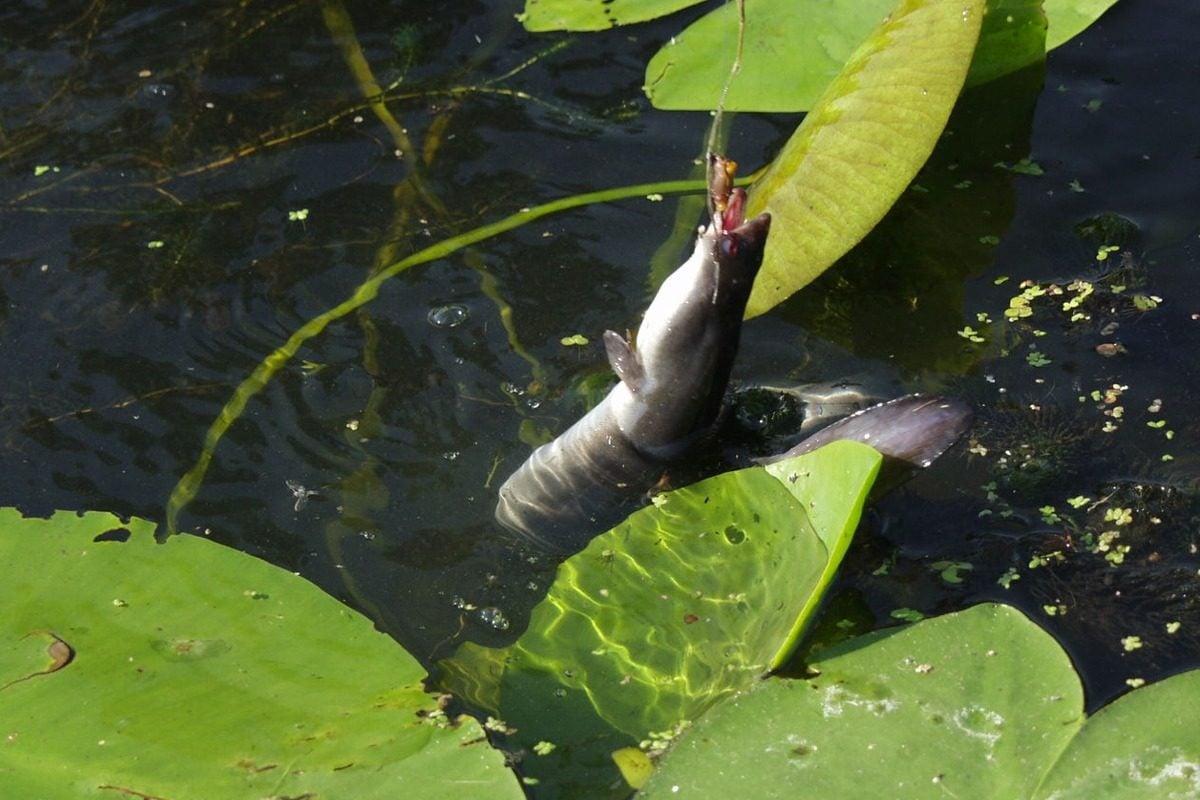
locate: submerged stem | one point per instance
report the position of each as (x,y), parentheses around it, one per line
(189,485)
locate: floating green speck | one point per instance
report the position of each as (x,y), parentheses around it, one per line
(907,615)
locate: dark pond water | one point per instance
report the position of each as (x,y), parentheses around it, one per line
(184,185)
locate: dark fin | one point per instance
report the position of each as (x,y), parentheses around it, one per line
(624,360)
(912,430)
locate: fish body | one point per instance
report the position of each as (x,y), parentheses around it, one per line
(672,386)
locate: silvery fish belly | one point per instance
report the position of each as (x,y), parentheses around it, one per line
(672,385)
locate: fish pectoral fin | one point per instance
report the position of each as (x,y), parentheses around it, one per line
(624,360)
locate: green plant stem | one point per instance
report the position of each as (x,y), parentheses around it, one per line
(189,485)
(341,28)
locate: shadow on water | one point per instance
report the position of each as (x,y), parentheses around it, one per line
(184,186)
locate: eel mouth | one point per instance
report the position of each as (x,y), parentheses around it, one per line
(738,237)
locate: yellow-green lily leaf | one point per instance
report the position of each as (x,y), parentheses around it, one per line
(594,15)
(1069,18)
(861,145)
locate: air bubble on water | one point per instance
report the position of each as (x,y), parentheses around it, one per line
(493,618)
(451,455)
(161,91)
(450,315)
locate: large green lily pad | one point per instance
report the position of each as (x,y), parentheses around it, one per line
(794,48)
(190,670)
(1146,745)
(981,703)
(684,603)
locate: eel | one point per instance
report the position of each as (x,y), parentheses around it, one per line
(673,378)
(672,390)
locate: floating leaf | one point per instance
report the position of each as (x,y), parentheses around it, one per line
(958,706)
(636,767)
(980,703)
(1013,36)
(685,602)
(187,669)
(1139,746)
(833,492)
(594,15)
(1069,18)
(899,294)
(862,144)
(794,48)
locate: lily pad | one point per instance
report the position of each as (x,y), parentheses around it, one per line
(1144,745)
(862,144)
(686,602)
(1013,36)
(594,15)
(980,703)
(899,294)
(189,670)
(1069,18)
(794,48)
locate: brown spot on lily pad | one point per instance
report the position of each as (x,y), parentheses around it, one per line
(185,649)
(60,653)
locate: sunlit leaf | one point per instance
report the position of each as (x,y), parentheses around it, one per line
(792,50)
(190,670)
(965,705)
(1069,18)
(980,703)
(899,294)
(1140,746)
(687,601)
(594,15)
(862,144)
(842,471)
